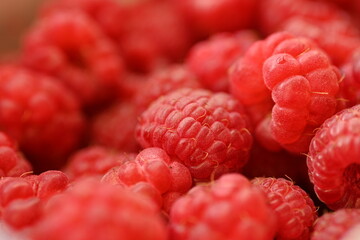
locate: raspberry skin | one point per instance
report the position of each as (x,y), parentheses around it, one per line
(154,175)
(95,161)
(93,210)
(224,209)
(212,16)
(298,77)
(114,127)
(336,225)
(333,160)
(12,163)
(41,115)
(207,132)
(294,209)
(162,82)
(22,198)
(71,47)
(210,60)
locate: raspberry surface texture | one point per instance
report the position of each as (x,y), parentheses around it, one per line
(294,209)
(153,174)
(95,161)
(210,60)
(336,225)
(91,210)
(41,115)
(12,162)
(334,158)
(300,80)
(208,132)
(224,209)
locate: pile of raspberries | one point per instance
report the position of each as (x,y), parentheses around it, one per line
(183,120)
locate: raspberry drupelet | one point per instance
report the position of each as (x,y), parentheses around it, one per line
(210,60)
(93,210)
(41,115)
(334,158)
(23,198)
(153,174)
(71,47)
(337,225)
(294,209)
(300,80)
(229,208)
(95,161)
(12,162)
(207,132)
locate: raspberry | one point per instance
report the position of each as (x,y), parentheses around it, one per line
(114,127)
(209,60)
(333,160)
(22,198)
(294,209)
(162,82)
(95,161)
(336,225)
(298,77)
(41,115)
(91,210)
(71,47)
(215,16)
(207,132)
(12,163)
(153,174)
(224,209)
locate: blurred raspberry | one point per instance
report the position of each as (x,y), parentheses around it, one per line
(41,115)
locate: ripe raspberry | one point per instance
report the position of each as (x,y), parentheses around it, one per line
(336,225)
(93,210)
(12,163)
(162,82)
(114,127)
(212,16)
(22,198)
(298,77)
(224,209)
(40,114)
(207,132)
(333,160)
(209,60)
(294,209)
(154,175)
(95,161)
(71,47)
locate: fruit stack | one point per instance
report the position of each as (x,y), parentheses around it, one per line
(184,120)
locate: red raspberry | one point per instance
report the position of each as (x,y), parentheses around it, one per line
(95,161)
(293,208)
(212,16)
(334,158)
(209,60)
(12,163)
(298,77)
(207,132)
(162,82)
(337,225)
(153,174)
(114,127)
(93,210)
(41,115)
(229,208)
(22,198)
(71,47)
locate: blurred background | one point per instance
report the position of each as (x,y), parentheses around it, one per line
(15,17)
